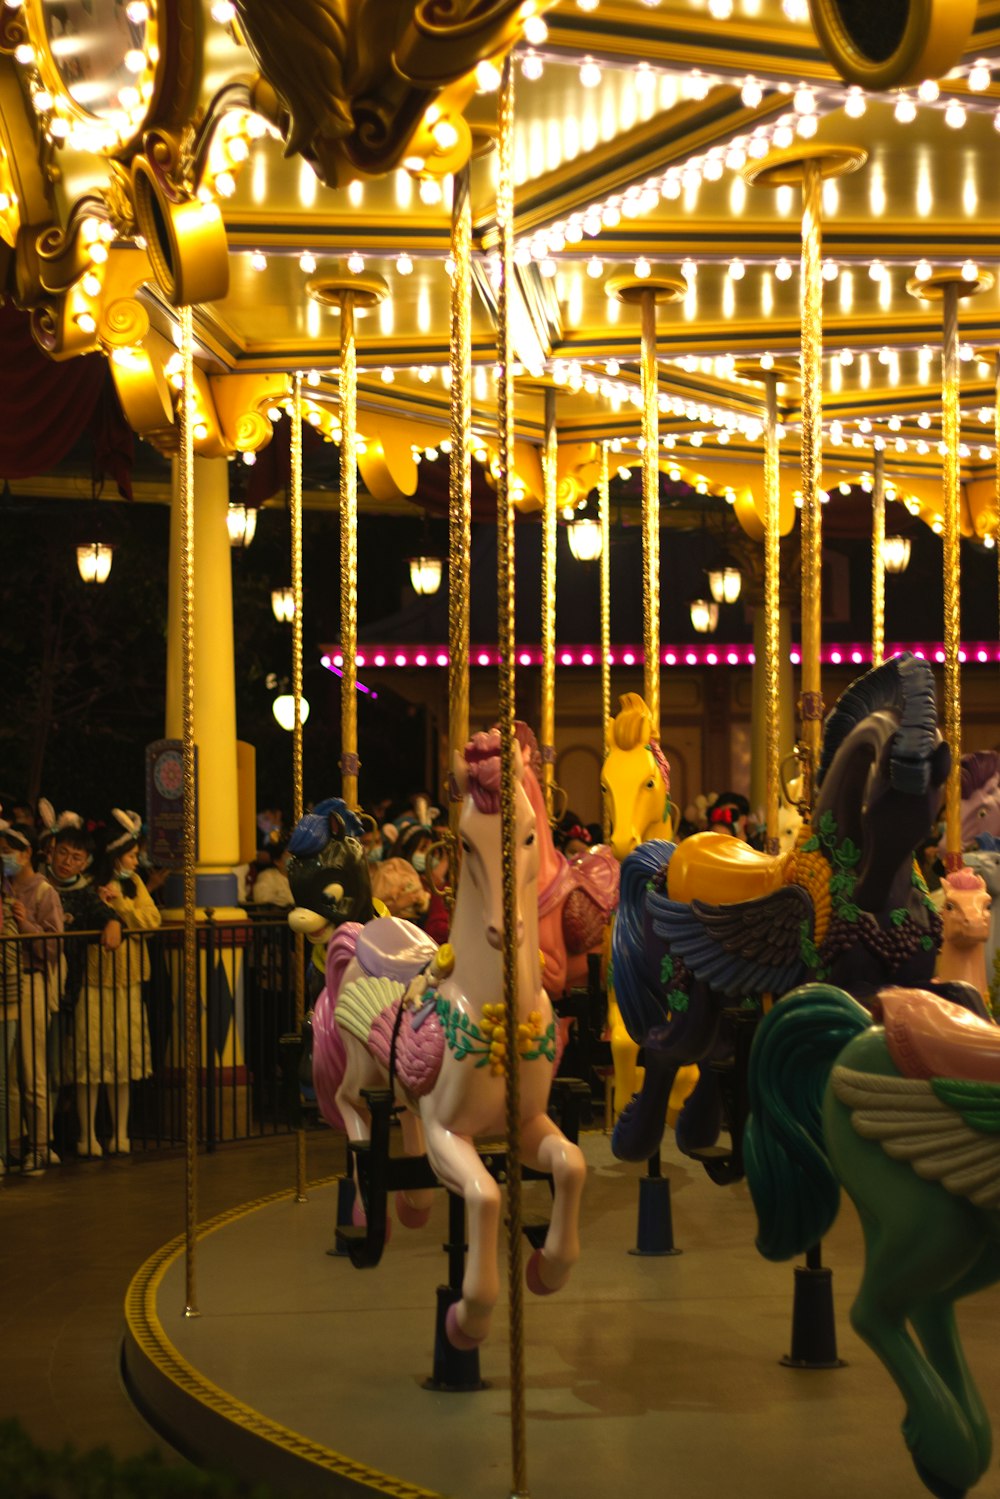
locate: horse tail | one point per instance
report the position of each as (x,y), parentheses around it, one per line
(636,979)
(792,1183)
(329,1056)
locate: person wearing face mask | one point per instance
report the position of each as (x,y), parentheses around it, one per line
(39,916)
(111,1034)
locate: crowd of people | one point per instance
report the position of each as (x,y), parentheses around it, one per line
(75,898)
(71,974)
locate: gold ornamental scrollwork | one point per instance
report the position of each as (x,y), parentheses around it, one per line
(185,237)
(362,80)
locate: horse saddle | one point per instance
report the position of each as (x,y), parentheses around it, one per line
(722,870)
(928,1036)
(391,948)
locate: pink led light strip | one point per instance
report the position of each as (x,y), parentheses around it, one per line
(977,652)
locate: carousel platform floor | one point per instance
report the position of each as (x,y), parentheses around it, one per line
(642,1375)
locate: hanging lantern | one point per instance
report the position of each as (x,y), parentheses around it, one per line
(585,540)
(241,523)
(704,616)
(725,584)
(896,554)
(94,561)
(283,709)
(425,574)
(283,604)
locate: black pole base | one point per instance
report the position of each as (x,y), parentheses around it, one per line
(655,1235)
(455,1372)
(814,1334)
(345,1209)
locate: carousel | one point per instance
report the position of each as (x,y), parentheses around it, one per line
(588,257)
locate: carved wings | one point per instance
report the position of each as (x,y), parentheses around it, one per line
(749,947)
(946,1130)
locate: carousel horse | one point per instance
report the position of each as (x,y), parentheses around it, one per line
(635,783)
(430,1023)
(965,920)
(901,1106)
(711,924)
(985,861)
(980,798)
(576,897)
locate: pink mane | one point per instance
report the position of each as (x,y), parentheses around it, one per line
(662,763)
(482,756)
(963,879)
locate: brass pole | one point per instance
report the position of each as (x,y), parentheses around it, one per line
(807,166)
(604,503)
(459,479)
(505,636)
(811,700)
(295,518)
(950,433)
(548,714)
(650,512)
(996,459)
(772,609)
(349,762)
(878,560)
(949,287)
(191,1027)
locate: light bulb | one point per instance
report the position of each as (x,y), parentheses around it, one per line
(258,260)
(855,104)
(307,262)
(737,269)
(751,93)
(980,76)
(595,267)
(642,268)
(404,265)
(954,115)
(532,67)
(535,31)
(923,270)
(905,111)
(929,90)
(355,263)
(590,73)
(783,270)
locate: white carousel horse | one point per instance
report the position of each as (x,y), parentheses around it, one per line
(431,1021)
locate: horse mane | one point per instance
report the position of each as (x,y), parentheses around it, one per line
(905,685)
(530,753)
(312,831)
(978,769)
(633,726)
(482,756)
(963,879)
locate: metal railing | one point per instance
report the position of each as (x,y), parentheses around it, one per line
(92,1040)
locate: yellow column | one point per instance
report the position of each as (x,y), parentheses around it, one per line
(548,714)
(215,681)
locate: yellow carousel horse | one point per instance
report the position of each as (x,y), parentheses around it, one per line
(635,783)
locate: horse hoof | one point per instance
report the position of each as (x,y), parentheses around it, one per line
(408,1215)
(533,1277)
(456,1337)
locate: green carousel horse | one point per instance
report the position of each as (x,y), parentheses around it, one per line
(902,1106)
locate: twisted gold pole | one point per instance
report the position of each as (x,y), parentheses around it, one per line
(505,636)
(604,510)
(650,512)
(191,1027)
(295,519)
(349,762)
(811,700)
(996,459)
(878,560)
(952,573)
(548,714)
(772,609)
(459,479)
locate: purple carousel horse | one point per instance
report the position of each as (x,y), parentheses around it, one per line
(429,1023)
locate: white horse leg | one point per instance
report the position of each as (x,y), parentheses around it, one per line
(413,1208)
(458,1167)
(545,1148)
